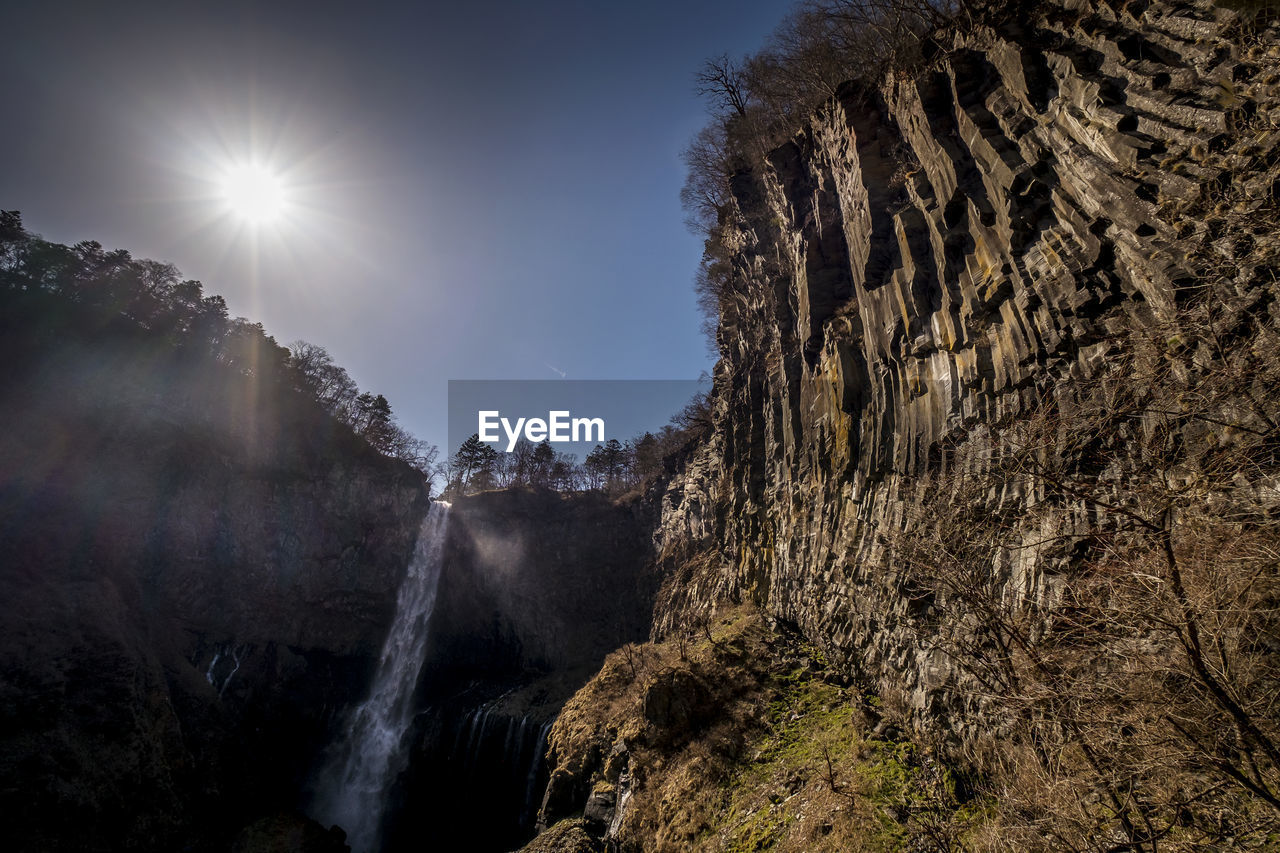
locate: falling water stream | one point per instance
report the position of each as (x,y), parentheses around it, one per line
(368,754)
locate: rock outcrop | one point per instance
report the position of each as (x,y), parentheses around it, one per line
(931,286)
(539,580)
(931,259)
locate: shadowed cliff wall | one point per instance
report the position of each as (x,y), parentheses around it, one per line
(196,575)
(537,587)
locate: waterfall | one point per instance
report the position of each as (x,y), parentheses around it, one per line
(208,676)
(491,754)
(235,656)
(531,805)
(368,754)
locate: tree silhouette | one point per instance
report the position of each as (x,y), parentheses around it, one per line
(473,457)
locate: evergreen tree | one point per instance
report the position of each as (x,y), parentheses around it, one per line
(473,457)
(541,462)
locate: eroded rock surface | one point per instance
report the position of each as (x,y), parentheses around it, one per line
(929,259)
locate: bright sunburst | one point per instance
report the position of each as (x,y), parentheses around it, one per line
(254,193)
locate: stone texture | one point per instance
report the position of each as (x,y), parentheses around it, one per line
(289,833)
(926,260)
(538,580)
(567,836)
(676,702)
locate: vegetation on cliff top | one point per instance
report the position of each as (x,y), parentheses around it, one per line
(757,102)
(52,293)
(616,467)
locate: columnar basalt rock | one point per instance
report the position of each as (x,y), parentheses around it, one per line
(923,263)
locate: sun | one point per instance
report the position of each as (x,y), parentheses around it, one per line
(254,193)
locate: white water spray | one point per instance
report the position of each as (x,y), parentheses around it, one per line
(368,756)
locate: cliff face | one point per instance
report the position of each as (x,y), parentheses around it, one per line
(196,576)
(541,581)
(935,258)
(995,432)
(536,588)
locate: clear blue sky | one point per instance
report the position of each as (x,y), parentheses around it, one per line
(479,190)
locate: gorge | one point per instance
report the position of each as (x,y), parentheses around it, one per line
(975,550)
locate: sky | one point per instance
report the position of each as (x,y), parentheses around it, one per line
(474,190)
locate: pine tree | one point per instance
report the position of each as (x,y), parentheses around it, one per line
(473,457)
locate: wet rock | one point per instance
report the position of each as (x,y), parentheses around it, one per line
(618,761)
(537,587)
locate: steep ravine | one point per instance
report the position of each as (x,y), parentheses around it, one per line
(197,591)
(199,576)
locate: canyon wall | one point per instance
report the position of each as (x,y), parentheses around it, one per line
(537,587)
(934,258)
(993,455)
(199,578)
(197,575)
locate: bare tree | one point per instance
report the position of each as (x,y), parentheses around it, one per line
(706,188)
(760,102)
(722,82)
(1143,672)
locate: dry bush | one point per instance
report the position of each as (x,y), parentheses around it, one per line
(1104,572)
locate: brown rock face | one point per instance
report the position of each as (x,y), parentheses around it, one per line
(927,260)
